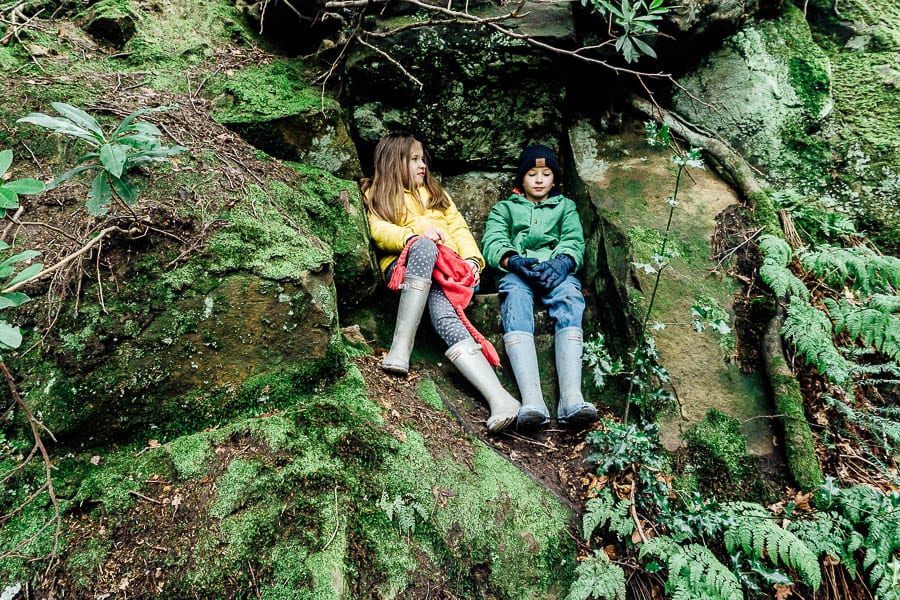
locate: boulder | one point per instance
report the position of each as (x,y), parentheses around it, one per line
(110,23)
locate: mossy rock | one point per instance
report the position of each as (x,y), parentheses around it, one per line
(275,109)
(465,109)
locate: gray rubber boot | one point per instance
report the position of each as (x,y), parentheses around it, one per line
(413,297)
(572,409)
(523,359)
(467,357)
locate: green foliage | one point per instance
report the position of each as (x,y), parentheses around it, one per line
(402,511)
(10,190)
(829,534)
(602,509)
(810,330)
(859,267)
(131,143)
(756,533)
(819,219)
(619,445)
(694,571)
(873,325)
(599,361)
(633,21)
(777,255)
(876,516)
(598,578)
(10,335)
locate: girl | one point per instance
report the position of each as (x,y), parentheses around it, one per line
(415,225)
(536,237)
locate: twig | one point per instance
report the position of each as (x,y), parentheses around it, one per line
(634,515)
(526,439)
(99,281)
(69,258)
(337,521)
(147,498)
(736,248)
(392,60)
(12,220)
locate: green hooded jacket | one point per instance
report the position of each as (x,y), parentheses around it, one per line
(531,230)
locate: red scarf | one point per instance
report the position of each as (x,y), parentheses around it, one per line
(457,281)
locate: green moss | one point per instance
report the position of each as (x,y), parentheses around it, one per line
(114,482)
(265,93)
(799,445)
(190,454)
(718,448)
(235,487)
(428,392)
(765,214)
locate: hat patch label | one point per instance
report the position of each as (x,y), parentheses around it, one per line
(540,162)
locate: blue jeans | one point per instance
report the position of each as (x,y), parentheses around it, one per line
(565,303)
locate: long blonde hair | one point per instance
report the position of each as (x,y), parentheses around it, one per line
(383,193)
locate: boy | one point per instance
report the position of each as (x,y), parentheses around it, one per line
(535,237)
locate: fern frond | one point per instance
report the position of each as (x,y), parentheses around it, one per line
(603,509)
(810,330)
(885,303)
(757,534)
(598,578)
(873,326)
(774,272)
(694,571)
(858,267)
(828,534)
(884,430)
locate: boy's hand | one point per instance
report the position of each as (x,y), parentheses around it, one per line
(554,271)
(523,268)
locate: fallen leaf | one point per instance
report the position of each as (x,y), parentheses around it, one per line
(95,460)
(153,444)
(783,591)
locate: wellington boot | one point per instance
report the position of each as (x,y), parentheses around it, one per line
(467,357)
(413,297)
(572,410)
(523,359)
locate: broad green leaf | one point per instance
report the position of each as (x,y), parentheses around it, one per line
(25,274)
(125,190)
(3,245)
(26,186)
(69,174)
(13,299)
(10,337)
(101,194)
(644,47)
(140,141)
(79,117)
(8,198)
(113,157)
(143,128)
(126,122)
(6,271)
(26,255)
(5,160)
(157,154)
(63,126)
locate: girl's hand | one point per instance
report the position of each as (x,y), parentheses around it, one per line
(434,234)
(476,271)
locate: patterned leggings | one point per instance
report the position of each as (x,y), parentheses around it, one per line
(420,263)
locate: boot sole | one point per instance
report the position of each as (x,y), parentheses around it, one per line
(583,415)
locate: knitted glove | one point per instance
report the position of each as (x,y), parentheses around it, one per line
(523,268)
(553,272)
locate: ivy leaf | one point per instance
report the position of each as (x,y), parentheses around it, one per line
(10,337)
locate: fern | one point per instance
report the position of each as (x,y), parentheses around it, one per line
(757,534)
(777,255)
(828,534)
(859,267)
(810,330)
(694,571)
(603,508)
(877,517)
(403,512)
(873,326)
(597,577)
(885,430)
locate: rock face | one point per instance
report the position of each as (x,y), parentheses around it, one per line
(475,96)
(272,108)
(767,91)
(625,187)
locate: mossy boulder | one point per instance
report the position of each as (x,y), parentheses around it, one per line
(273,108)
(767,91)
(110,22)
(461,93)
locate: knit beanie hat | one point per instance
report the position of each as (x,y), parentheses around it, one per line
(539,156)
